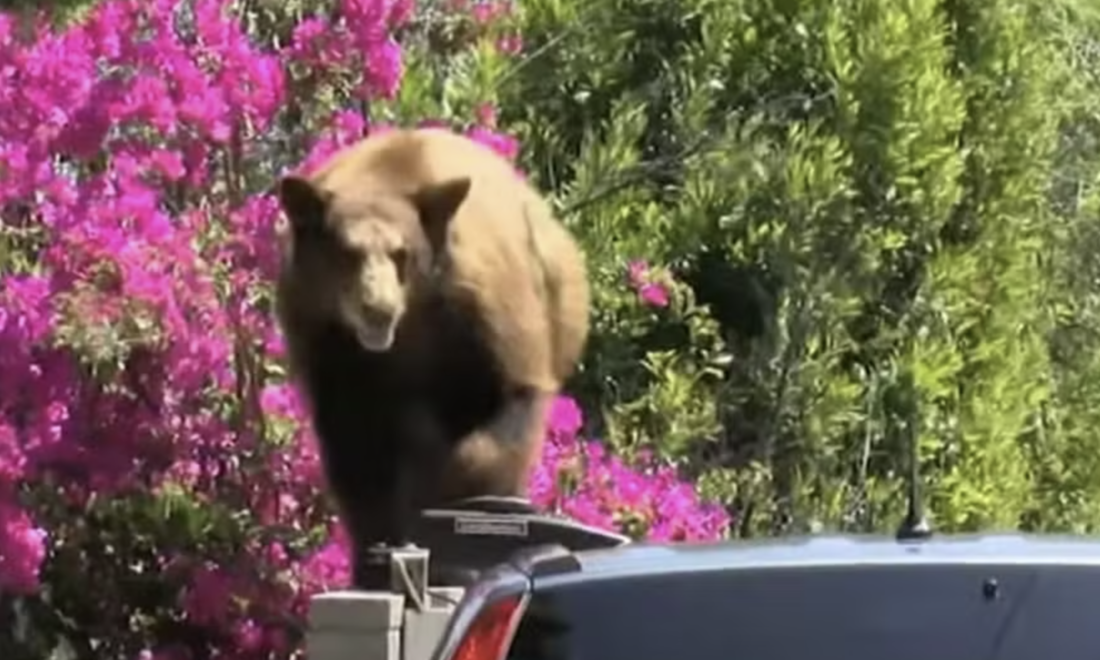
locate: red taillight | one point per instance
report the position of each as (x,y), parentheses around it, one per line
(488,636)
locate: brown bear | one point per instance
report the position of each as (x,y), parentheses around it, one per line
(432,307)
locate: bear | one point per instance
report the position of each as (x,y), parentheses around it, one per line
(432,306)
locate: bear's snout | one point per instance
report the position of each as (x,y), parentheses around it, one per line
(379,317)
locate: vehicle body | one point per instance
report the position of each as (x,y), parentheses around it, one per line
(990,597)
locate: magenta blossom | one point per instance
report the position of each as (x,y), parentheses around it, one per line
(651,293)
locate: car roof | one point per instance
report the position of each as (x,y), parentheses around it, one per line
(834,550)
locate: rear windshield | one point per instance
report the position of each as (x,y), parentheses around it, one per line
(856,613)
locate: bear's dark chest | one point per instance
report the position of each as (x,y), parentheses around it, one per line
(364,398)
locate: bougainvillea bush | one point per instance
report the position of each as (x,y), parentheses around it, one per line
(159,493)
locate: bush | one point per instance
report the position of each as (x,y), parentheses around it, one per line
(159,494)
(864,204)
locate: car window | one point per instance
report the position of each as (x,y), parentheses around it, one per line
(846,613)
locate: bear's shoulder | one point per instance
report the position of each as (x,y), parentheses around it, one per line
(400,161)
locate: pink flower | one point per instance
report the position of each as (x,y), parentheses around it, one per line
(509,44)
(654,294)
(637,272)
(486,115)
(22,549)
(504,145)
(651,293)
(484,12)
(565,416)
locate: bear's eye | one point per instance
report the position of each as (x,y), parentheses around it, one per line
(350,259)
(400,257)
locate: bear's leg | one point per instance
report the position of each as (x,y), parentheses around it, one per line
(497,458)
(427,448)
(369,498)
(494,460)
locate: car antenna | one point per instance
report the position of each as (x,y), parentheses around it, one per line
(915,526)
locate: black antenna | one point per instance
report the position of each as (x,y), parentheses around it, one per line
(915,527)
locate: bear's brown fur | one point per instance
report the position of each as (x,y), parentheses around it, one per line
(432,307)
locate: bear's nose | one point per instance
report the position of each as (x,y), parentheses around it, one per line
(378,315)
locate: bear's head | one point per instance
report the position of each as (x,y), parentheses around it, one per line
(367,254)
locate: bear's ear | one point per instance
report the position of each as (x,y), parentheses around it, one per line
(303,203)
(438,203)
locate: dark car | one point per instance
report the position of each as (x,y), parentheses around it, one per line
(997,597)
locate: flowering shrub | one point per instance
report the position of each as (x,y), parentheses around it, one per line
(642,498)
(159,494)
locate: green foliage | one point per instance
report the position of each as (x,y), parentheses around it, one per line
(1066,451)
(880,218)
